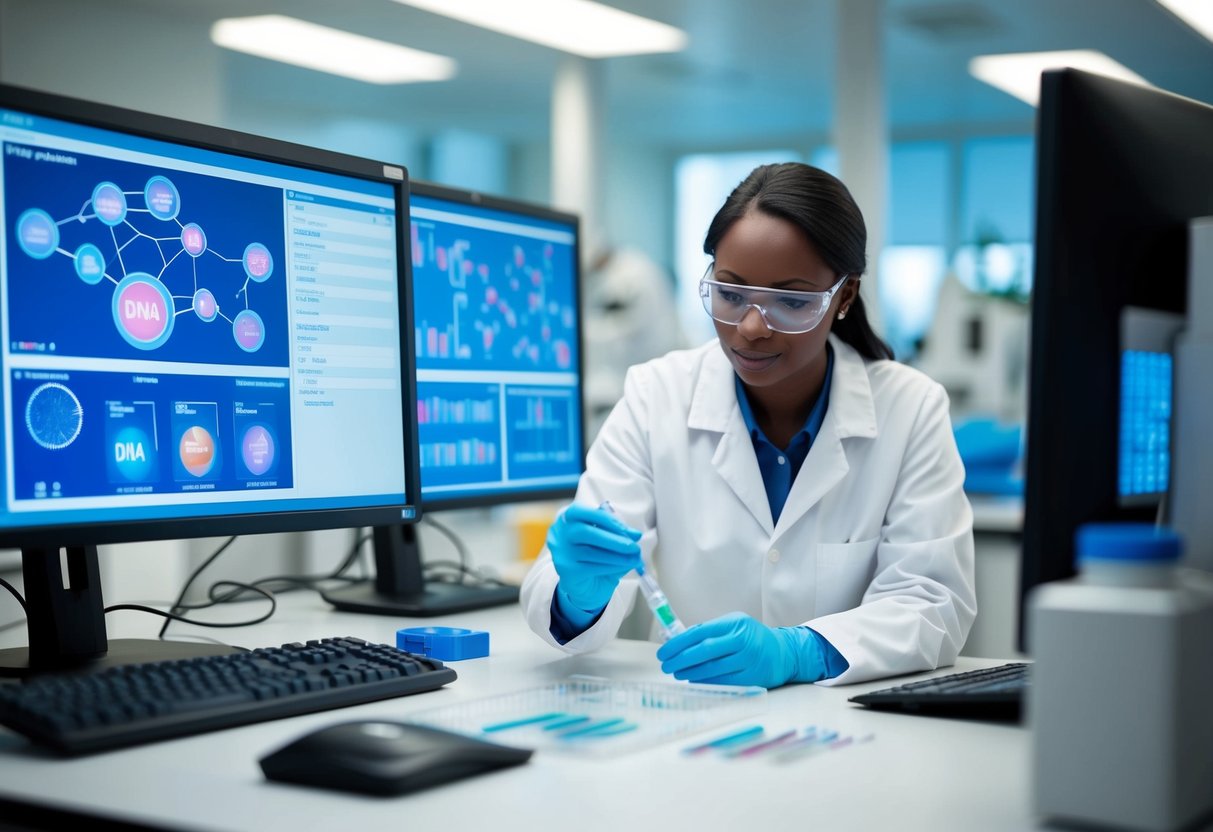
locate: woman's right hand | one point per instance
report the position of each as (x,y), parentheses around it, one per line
(591,550)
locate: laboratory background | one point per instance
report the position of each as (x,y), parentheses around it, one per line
(901,99)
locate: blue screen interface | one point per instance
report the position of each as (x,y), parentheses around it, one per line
(187,333)
(1145,424)
(496,327)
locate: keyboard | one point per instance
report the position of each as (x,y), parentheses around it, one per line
(990,693)
(130,704)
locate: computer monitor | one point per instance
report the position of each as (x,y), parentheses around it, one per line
(497,327)
(1121,171)
(201,333)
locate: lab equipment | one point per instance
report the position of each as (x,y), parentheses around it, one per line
(139,703)
(762,745)
(994,693)
(385,758)
(727,740)
(737,649)
(783,310)
(660,605)
(783,746)
(653,596)
(1119,705)
(651,712)
(518,723)
(444,643)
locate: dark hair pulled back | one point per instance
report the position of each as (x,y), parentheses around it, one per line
(824,210)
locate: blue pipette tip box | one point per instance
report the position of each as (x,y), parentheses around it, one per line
(444,643)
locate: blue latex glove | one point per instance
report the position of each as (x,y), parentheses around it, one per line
(591,550)
(737,649)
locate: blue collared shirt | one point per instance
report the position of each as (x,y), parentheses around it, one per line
(779,467)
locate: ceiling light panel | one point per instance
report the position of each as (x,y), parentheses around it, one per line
(309,45)
(1019,73)
(1196,13)
(581,27)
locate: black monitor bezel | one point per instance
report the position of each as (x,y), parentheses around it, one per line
(527,209)
(223,140)
(1117,167)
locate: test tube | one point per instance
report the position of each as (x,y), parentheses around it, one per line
(654,597)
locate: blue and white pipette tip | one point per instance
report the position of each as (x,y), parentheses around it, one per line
(654,597)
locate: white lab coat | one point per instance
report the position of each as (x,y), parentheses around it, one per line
(873,549)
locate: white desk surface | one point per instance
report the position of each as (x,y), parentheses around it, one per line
(916,772)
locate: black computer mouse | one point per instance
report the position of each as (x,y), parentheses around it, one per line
(385,758)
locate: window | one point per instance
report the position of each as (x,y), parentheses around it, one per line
(702,182)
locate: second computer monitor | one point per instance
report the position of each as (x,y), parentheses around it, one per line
(497,323)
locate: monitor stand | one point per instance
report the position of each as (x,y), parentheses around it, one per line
(66,621)
(399,588)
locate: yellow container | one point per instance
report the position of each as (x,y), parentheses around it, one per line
(531,530)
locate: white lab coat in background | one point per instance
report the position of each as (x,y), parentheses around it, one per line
(873,549)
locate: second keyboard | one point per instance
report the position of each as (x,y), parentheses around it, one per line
(138,703)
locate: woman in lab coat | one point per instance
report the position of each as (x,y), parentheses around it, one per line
(796,492)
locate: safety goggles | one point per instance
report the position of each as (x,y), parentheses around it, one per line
(782,310)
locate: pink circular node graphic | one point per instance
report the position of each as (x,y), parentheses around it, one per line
(205,306)
(197,451)
(193,239)
(142,310)
(258,262)
(248,330)
(257,449)
(564,355)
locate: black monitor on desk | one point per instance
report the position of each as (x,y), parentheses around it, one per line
(1121,171)
(497,328)
(201,333)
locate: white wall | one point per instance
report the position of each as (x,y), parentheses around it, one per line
(112,55)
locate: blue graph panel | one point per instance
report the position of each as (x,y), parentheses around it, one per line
(459,428)
(112,259)
(542,431)
(491,300)
(88,434)
(1145,423)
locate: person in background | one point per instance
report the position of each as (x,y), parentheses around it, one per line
(628,297)
(797,493)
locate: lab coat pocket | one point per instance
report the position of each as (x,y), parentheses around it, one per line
(844,571)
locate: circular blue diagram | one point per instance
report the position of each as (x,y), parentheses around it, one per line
(37,233)
(109,202)
(53,416)
(258,262)
(90,264)
(162,199)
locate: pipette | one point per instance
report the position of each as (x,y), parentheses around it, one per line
(654,597)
